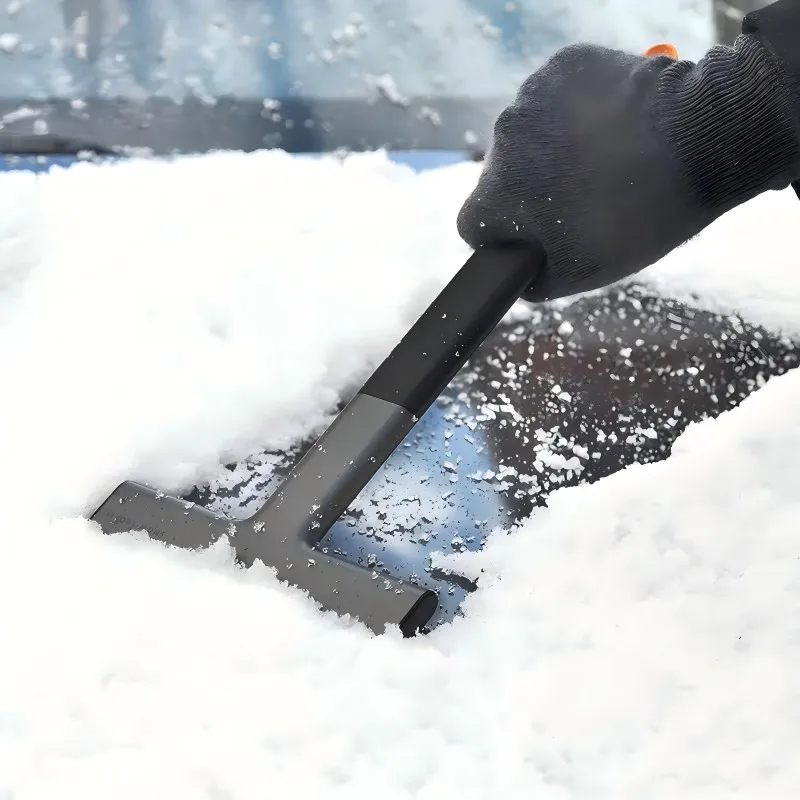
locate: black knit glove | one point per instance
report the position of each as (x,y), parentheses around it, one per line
(612,160)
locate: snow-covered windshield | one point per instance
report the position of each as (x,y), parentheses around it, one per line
(301,74)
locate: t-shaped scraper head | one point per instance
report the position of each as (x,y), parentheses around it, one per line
(285,532)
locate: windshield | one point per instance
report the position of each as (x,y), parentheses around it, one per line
(299,74)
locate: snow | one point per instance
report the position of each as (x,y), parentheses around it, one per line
(638,638)
(170,330)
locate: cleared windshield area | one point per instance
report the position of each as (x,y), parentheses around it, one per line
(448,63)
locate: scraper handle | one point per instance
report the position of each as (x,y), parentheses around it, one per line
(285,531)
(466,311)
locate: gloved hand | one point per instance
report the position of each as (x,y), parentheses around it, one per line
(612,160)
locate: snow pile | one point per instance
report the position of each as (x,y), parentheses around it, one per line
(153,298)
(637,639)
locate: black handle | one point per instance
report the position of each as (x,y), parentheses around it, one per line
(466,311)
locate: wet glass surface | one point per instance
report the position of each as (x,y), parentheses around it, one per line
(565,398)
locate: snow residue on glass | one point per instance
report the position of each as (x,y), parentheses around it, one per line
(637,638)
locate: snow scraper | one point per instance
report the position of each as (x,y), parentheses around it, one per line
(284,532)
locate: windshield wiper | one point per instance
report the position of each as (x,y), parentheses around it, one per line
(49,144)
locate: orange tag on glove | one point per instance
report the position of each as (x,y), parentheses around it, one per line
(662,49)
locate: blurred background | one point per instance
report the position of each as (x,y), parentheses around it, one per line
(728,17)
(305,75)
